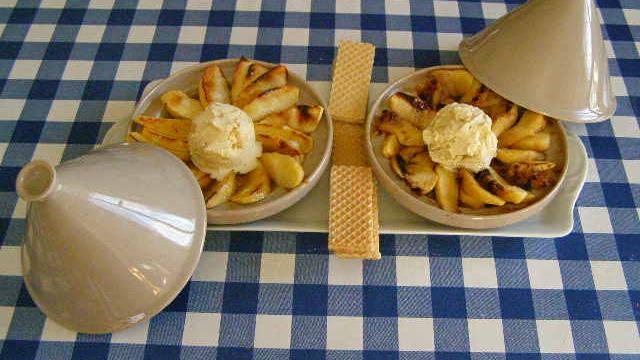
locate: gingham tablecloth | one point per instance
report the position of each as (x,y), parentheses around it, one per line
(69,70)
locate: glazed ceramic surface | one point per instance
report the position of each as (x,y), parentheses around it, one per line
(422,205)
(109,241)
(547,56)
(315,162)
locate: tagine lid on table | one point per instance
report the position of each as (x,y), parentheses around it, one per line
(547,56)
(109,242)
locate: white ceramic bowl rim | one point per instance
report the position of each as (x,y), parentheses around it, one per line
(282,202)
(409,197)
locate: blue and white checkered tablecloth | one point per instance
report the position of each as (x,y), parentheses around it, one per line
(68,70)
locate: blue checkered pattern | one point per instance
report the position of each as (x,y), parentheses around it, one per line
(68,70)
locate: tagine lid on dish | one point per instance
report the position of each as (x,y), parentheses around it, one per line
(547,56)
(110,242)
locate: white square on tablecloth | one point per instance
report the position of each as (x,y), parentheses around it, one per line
(6,314)
(348,7)
(399,39)
(11,108)
(298,69)
(25,69)
(298,6)
(396,72)
(449,41)
(243,35)
(117,110)
(347,34)
(211,267)
(141,34)
(413,271)
(53,331)
(555,336)
(90,33)
(446,8)
(632,168)
(52,153)
(486,335)
(479,272)
(40,33)
(618,86)
(592,171)
(10,261)
(608,275)
(595,220)
(101,4)
(192,35)
(295,37)
(52,4)
(493,10)
(248,5)
(277,268)
(130,70)
(625,126)
(632,16)
(344,271)
(137,334)
(199,5)
(201,329)
(149,4)
(397,7)
(544,274)
(273,331)
(622,337)
(63,110)
(344,333)
(20,210)
(77,70)
(415,334)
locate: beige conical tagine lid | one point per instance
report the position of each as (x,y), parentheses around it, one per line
(112,237)
(547,56)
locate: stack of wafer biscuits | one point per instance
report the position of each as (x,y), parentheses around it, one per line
(353,213)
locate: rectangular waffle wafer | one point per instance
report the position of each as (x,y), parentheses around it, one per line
(350,82)
(353,214)
(348,144)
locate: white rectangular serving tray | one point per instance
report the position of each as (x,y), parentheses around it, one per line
(312,212)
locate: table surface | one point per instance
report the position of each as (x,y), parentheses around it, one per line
(69,71)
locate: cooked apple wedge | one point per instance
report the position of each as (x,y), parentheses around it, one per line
(272,79)
(170,128)
(284,170)
(532,174)
(530,123)
(284,140)
(473,188)
(239,76)
(203,178)
(494,183)
(272,101)
(390,146)
(420,174)
(411,108)
(407,133)
(408,152)
(178,148)
(254,72)
(213,87)
(398,165)
(456,82)
(510,156)
(537,142)
(472,91)
(277,120)
(447,191)
(505,121)
(304,118)
(253,186)
(221,191)
(469,200)
(180,104)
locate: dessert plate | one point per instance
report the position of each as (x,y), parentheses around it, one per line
(311,214)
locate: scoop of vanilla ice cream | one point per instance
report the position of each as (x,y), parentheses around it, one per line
(460,136)
(223,139)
